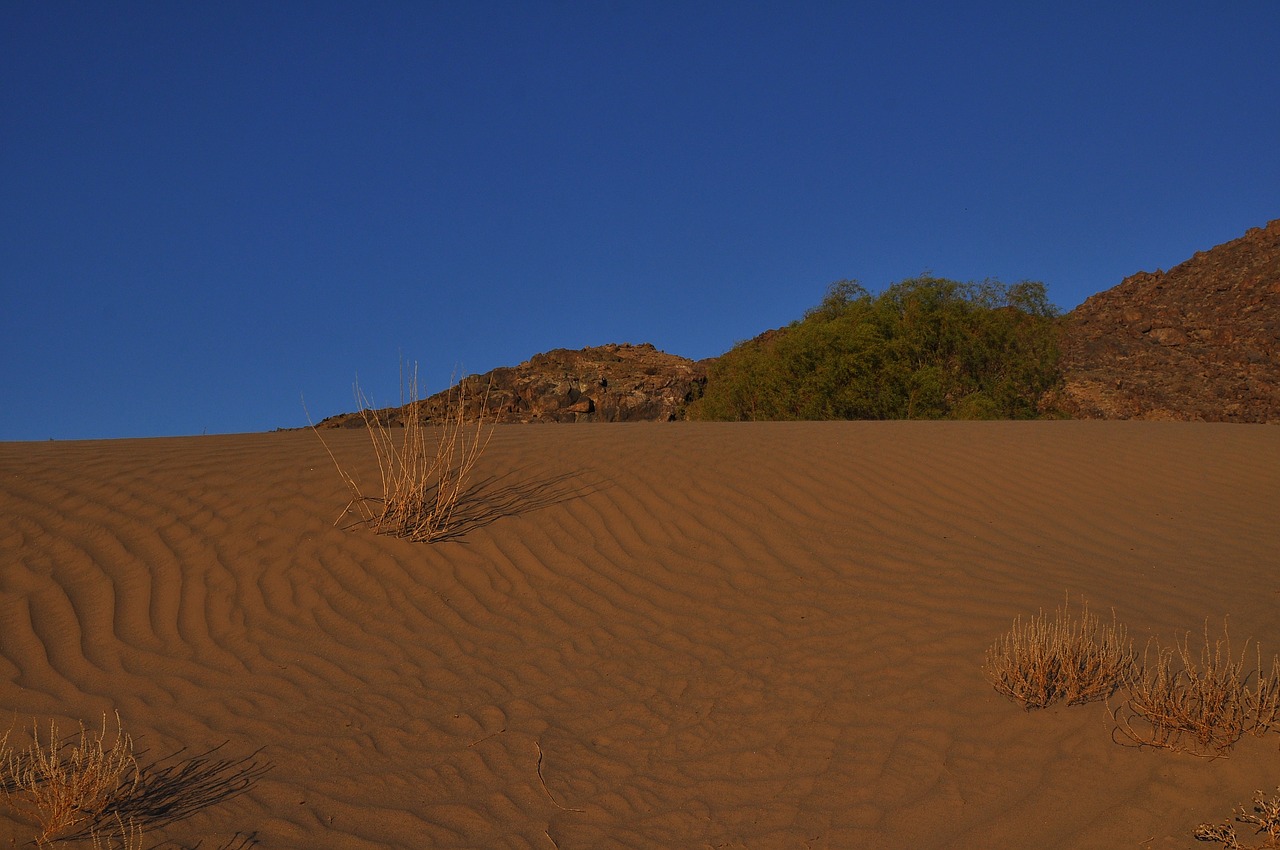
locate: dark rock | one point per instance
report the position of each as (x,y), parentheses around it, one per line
(609,383)
(1200,342)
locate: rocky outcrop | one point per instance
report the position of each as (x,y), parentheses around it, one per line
(609,383)
(1199,342)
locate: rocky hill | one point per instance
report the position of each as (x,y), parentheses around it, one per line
(608,383)
(1199,342)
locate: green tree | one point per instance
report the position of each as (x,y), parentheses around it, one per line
(925,348)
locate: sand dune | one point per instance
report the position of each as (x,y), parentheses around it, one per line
(650,636)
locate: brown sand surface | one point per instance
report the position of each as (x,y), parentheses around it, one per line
(650,636)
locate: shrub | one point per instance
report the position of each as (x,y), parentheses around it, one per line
(65,786)
(426,471)
(1075,659)
(925,348)
(93,787)
(1202,707)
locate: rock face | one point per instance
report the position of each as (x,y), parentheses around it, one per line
(1200,342)
(609,383)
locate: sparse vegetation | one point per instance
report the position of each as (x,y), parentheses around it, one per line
(1200,706)
(425,472)
(1264,815)
(92,787)
(65,786)
(1076,659)
(1175,700)
(925,348)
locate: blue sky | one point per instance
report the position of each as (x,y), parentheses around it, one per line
(209,210)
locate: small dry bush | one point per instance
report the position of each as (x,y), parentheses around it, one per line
(1077,659)
(92,787)
(425,468)
(1264,816)
(1200,705)
(66,785)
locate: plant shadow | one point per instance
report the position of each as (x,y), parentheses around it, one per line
(171,789)
(503,496)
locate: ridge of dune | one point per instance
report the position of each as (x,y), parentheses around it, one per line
(763,635)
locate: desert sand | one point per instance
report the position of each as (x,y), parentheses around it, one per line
(648,636)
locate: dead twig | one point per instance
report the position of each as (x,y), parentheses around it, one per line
(543,782)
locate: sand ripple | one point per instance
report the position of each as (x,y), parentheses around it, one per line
(763,636)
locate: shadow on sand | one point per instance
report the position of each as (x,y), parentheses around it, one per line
(502,496)
(173,788)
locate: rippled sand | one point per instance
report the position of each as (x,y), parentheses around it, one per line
(650,636)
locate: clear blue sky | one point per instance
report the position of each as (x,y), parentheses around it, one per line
(210,209)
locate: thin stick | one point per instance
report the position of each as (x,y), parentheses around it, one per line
(544,783)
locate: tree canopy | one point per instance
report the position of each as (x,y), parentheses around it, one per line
(924,348)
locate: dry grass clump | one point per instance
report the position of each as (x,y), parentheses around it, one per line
(426,470)
(1178,700)
(1199,705)
(93,787)
(1265,815)
(1076,659)
(66,785)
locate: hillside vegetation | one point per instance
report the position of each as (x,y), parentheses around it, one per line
(925,348)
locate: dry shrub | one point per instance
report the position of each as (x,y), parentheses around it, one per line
(1264,699)
(426,470)
(94,788)
(1265,816)
(68,784)
(1070,658)
(1198,706)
